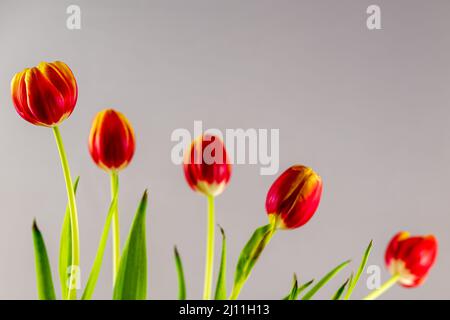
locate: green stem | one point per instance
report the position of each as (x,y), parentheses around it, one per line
(209,251)
(384,287)
(115,224)
(75,265)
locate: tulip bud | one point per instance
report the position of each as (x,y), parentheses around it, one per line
(411,258)
(45,95)
(111,141)
(294,197)
(206,165)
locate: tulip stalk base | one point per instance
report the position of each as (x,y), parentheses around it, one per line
(115,224)
(209,250)
(72,293)
(384,287)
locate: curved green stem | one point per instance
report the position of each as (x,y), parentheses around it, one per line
(209,251)
(74,268)
(384,287)
(115,224)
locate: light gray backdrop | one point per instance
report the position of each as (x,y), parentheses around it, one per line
(368,110)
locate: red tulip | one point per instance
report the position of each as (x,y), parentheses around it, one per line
(45,95)
(411,258)
(111,141)
(206,165)
(294,197)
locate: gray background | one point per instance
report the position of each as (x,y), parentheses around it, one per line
(369,110)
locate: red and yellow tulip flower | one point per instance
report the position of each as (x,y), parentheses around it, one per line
(291,201)
(46,95)
(294,197)
(112,144)
(409,260)
(208,171)
(111,141)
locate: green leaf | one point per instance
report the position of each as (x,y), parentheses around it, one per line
(221,287)
(249,256)
(296,290)
(354,281)
(45,288)
(131,279)
(293,293)
(303,287)
(95,271)
(180,273)
(340,291)
(65,249)
(330,275)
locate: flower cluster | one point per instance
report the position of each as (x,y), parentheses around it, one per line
(46,95)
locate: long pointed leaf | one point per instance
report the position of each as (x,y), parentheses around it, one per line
(293,295)
(65,249)
(131,280)
(303,287)
(294,289)
(249,256)
(330,275)
(45,288)
(221,287)
(95,271)
(180,273)
(340,291)
(354,281)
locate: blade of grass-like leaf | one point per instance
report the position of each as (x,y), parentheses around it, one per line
(293,293)
(131,280)
(303,287)
(340,291)
(221,287)
(180,273)
(95,271)
(249,255)
(330,275)
(45,288)
(298,289)
(65,248)
(355,279)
